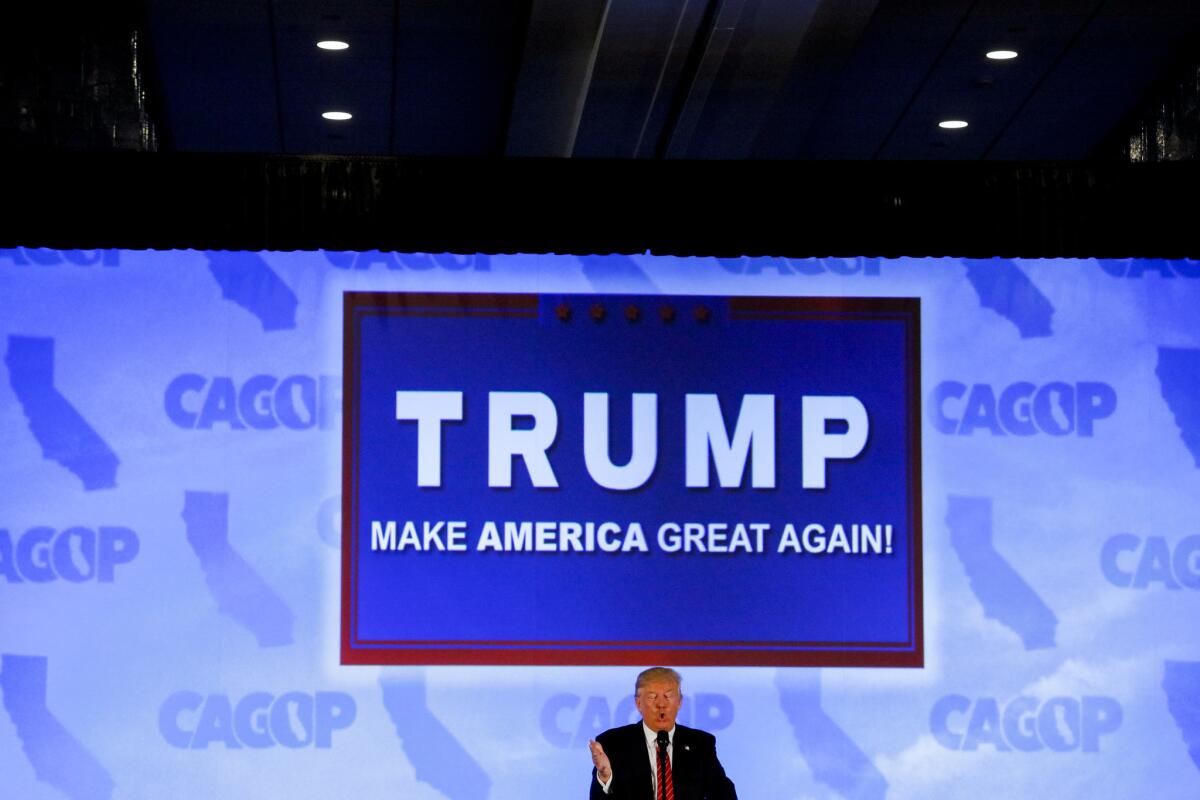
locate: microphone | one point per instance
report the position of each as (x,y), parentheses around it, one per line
(663,739)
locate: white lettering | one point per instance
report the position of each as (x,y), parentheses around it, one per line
(530,444)
(706,434)
(819,446)
(430,410)
(383,538)
(644,450)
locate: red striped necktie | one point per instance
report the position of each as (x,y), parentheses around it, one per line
(666,789)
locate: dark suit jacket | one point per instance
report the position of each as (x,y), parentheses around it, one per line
(696,772)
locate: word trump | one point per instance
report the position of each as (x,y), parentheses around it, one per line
(706,439)
(78,554)
(1026,724)
(190,720)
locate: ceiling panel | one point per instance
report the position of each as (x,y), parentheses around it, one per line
(898,48)
(636,76)
(456,71)
(963,84)
(215,66)
(560,49)
(832,39)
(739,73)
(694,79)
(1101,80)
(357,80)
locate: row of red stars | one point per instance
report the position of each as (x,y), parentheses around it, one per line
(632,313)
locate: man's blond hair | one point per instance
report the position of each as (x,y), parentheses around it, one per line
(657,674)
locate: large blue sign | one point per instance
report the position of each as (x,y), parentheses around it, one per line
(628,479)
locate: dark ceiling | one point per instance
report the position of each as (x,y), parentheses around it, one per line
(684,126)
(715,79)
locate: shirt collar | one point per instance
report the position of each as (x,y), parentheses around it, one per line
(652,736)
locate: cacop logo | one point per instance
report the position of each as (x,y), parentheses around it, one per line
(569,720)
(41,256)
(1141,267)
(192,721)
(261,402)
(1130,562)
(77,554)
(801,266)
(1025,724)
(420,262)
(1022,408)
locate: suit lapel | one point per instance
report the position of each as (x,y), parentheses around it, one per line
(640,760)
(682,763)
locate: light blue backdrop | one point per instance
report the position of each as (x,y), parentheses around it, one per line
(169,544)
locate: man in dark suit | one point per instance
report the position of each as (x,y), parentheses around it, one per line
(655,759)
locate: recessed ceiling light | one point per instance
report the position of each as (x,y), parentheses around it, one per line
(952,124)
(334,44)
(343,115)
(1002,55)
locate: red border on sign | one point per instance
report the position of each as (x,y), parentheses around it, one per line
(909,653)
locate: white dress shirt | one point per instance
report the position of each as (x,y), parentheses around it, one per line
(652,752)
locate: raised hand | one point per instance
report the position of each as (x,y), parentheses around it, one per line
(600,759)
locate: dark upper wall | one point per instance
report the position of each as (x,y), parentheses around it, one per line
(76,78)
(467,205)
(1167,127)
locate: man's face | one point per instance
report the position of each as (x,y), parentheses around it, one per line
(659,703)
